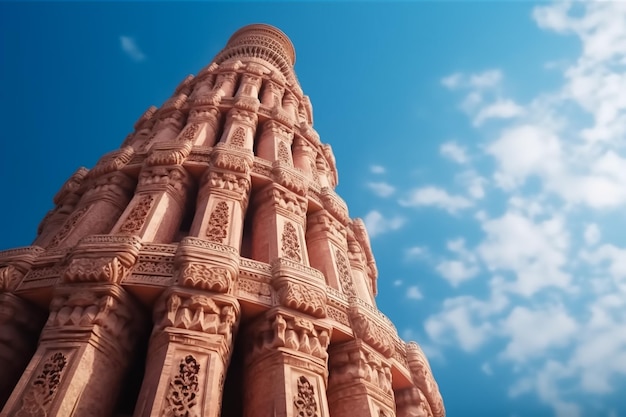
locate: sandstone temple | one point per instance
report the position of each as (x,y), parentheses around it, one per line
(207,268)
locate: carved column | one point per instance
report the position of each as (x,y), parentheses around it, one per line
(410,402)
(189,351)
(359,382)
(423,379)
(286,373)
(272,94)
(326,243)
(278,229)
(82,355)
(358,266)
(275,143)
(20,324)
(203,124)
(65,200)
(304,156)
(240,126)
(155,212)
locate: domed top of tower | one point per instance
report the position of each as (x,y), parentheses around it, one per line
(264,42)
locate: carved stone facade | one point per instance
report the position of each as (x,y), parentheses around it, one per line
(218,218)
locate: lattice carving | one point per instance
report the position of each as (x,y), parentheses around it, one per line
(41,392)
(182,396)
(190,131)
(305,404)
(291,243)
(344,274)
(283,153)
(68,226)
(217,229)
(138,215)
(239,137)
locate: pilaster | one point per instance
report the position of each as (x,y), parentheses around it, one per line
(286,366)
(82,355)
(189,351)
(359,382)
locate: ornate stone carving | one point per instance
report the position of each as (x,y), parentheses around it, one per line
(291,243)
(423,378)
(197,312)
(301,297)
(68,226)
(138,215)
(283,153)
(357,362)
(217,229)
(113,161)
(206,277)
(229,182)
(305,404)
(289,178)
(239,137)
(344,274)
(288,201)
(106,269)
(183,390)
(169,154)
(41,392)
(295,333)
(371,332)
(231,160)
(10,278)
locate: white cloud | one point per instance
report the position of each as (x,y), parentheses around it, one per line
(534,252)
(434,196)
(377,169)
(532,332)
(452,81)
(130,48)
(592,234)
(377,224)
(397,283)
(416,252)
(487,79)
(486,368)
(381,188)
(474,183)
(414,293)
(454,152)
(501,109)
(459,270)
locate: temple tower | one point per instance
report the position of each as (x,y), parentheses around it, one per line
(207,268)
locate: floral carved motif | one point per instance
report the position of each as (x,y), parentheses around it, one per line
(189,132)
(10,277)
(372,333)
(303,298)
(107,269)
(283,153)
(239,137)
(217,229)
(45,385)
(183,390)
(198,312)
(205,277)
(295,333)
(344,274)
(305,404)
(135,220)
(67,227)
(290,243)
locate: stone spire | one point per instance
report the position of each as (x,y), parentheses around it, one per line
(207,267)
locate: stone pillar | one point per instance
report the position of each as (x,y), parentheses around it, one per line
(82,355)
(272,94)
(358,266)
(155,212)
(410,402)
(203,124)
(189,351)
(423,379)
(304,157)
(240,126)
(285,372)
(278,229)
(20,324)
(326,242)
(275,143)
(359,382)
(65,201)
(249,86)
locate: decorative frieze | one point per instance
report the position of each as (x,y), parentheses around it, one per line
(206,277)
(217,229)
(290,245)
(137,217)
(345,278)
(68,226)
(305,402)
(113,161)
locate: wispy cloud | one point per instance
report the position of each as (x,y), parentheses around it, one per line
(381,188)
(414,293)
(378,224)
(436,197)
(454,152)
(377,169)
(130,48)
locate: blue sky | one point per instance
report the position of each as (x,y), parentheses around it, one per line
(482,143)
